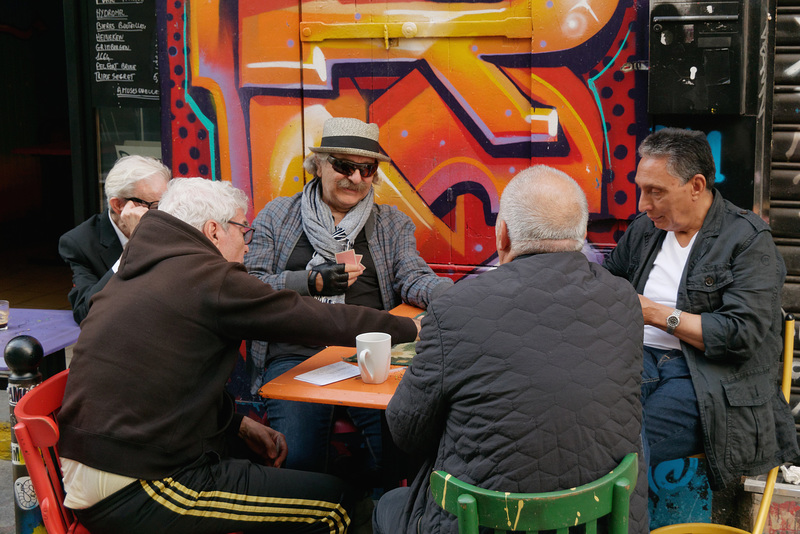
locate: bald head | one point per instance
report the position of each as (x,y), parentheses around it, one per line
(542,210)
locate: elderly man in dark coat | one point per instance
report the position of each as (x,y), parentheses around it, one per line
(526,378)
(93,248)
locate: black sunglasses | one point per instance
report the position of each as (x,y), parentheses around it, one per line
(347,167)
(248,235)
(149,205)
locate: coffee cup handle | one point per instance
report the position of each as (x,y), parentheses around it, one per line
(362,364)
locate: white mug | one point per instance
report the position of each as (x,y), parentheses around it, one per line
(374,356)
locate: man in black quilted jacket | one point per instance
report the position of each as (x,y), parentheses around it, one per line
(527,378)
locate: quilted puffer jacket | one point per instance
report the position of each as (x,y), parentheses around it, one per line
(526,379)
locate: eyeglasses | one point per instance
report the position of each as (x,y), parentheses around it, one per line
(347,167)
(149,205)
(248,235)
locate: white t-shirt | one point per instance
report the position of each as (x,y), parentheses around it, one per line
(122,239)
(662,287)
(86,485)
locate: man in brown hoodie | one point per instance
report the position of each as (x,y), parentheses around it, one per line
(146,426)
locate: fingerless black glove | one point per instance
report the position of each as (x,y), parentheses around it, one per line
(334,279)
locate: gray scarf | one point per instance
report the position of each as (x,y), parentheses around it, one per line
(326,238)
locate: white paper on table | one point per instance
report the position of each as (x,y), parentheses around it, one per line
(329,374)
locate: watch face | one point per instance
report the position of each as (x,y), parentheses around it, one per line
(672,321)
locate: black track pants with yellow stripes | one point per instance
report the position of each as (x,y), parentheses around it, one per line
(223,496)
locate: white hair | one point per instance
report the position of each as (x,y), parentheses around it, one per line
(545,211)
(127,171)
(198,200)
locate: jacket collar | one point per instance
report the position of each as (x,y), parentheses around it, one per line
(110,243)
(713,221)
(108,236)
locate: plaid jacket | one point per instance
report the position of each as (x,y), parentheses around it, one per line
(403,276)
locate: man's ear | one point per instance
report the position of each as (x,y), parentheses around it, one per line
(698,183)
(502,241)
(211,230)
(117,204)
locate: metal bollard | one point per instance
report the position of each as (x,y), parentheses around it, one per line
(23,355)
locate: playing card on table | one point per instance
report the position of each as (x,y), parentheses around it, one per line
(348,257)
(329,374)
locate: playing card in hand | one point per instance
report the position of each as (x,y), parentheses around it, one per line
(348,257)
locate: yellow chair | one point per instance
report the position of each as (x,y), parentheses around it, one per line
(769,487)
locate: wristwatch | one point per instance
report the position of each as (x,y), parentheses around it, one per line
(673,321)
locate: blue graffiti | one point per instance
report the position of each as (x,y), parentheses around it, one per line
(672,474)
(679,493)
(715,140)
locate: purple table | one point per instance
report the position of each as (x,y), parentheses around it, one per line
(54,329)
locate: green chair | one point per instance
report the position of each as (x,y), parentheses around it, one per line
(532,512)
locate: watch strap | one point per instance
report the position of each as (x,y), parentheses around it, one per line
(673,321)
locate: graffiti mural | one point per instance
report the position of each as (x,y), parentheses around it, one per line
(679,492)
(784,516)
(466,95)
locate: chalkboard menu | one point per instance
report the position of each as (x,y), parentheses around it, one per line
(125,57)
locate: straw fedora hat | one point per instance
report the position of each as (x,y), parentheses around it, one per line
(344,135)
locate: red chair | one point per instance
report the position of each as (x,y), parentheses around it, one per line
(37,434)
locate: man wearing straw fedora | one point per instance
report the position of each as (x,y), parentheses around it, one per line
(295,246)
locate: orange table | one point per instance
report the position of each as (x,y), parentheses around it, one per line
(350,392)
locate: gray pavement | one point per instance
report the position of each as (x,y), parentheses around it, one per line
(6,493)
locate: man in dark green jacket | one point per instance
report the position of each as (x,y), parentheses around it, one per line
(709,278)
